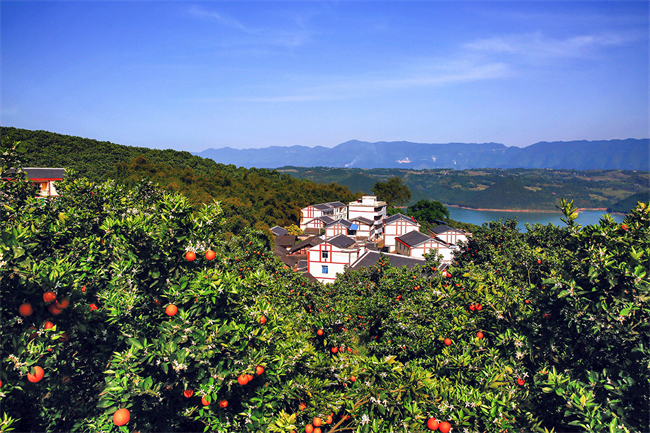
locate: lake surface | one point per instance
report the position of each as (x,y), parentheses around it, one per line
(478,217)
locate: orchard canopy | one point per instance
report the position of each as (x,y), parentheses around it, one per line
(108,324)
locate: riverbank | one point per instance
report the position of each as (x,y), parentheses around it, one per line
(596,209)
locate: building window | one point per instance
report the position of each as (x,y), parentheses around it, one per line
(325,269)
(325,254)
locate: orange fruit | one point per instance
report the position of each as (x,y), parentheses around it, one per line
(121,417)
(242,379)
(210,255)
(204,401)
(54,310)
(190,256)
(317,430)
(93,307)
(188,393)
(353,378)
(49,297)
(263,320)
(171,310)
(309,428)
(448,341)
(479,335)
(521,381)
(303,406)
(319,332)
(63,303)
(432,424)
(444,427)
(37,376)
(48,325)
(335,349)
(25,310)
(329,419)
(259,370)
(317,422)
(223,404)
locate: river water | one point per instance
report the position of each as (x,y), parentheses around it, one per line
(478,217)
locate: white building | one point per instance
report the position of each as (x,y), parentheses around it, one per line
(396,226)
(416,244)
(330,257)
(367,207)
(448,234)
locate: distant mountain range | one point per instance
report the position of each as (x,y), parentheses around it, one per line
(629,154)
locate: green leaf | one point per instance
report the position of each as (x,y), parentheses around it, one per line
(135,343)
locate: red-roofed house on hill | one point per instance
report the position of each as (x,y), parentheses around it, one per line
(44,179)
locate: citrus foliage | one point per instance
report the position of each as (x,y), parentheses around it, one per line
(545,329)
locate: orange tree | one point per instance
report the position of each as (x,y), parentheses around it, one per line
(240,348)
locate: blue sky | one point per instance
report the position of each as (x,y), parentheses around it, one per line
(197,74)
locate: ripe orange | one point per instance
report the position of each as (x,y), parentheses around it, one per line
(444,427)
(335,349)
(319,332)
(521,381)
(448,341)
(432,424)
(479,335)
(329,419)
(242,379)
(204,401)
(190,256)
(317,430)
(93,307)
(121,417)
(48,325)
(38,374)
(309,428)
(249,377)
(303,406)
(263,320)
(259,370)
(63,303)
(25,310)
(54,310)
(210,255)
(188,393)
(171,310)
(83,289)
(223,404)
(317,422)
(49,297)
(353,378)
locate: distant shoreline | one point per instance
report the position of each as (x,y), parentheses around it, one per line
(601,209)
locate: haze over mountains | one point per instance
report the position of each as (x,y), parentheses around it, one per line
(629,154)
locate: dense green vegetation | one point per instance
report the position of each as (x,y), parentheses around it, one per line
(257,198)
(533,189)
(526,331)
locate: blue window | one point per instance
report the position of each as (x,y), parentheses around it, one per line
(325,269)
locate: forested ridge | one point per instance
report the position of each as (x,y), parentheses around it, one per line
(525,189)
(253,197)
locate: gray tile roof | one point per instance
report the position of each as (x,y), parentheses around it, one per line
(369,258)
(43,173)
(444,228)
(285,241)
(321,206)
(309,242)
(414,238)
(279,231)
(345,223)
(363,220)
(335,204)
(340,241)
(399,216)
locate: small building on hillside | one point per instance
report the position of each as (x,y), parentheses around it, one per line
(332,256)
(416,244)
(279,231)
(368,207)
(333,210)
(341,227)
(448,234)
(367,229)
(302,247)
(44,179)
(286,241)
(396,226)
(316,225)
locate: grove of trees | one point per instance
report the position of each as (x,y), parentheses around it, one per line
(127,308)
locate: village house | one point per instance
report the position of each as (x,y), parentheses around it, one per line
(416,244)
(44,178)
(371,257)
(316,225)
(448,234)
(368,207)
(341,227)
(367,229)
(334,210)
(396,226)
(331,257)
(279,231)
